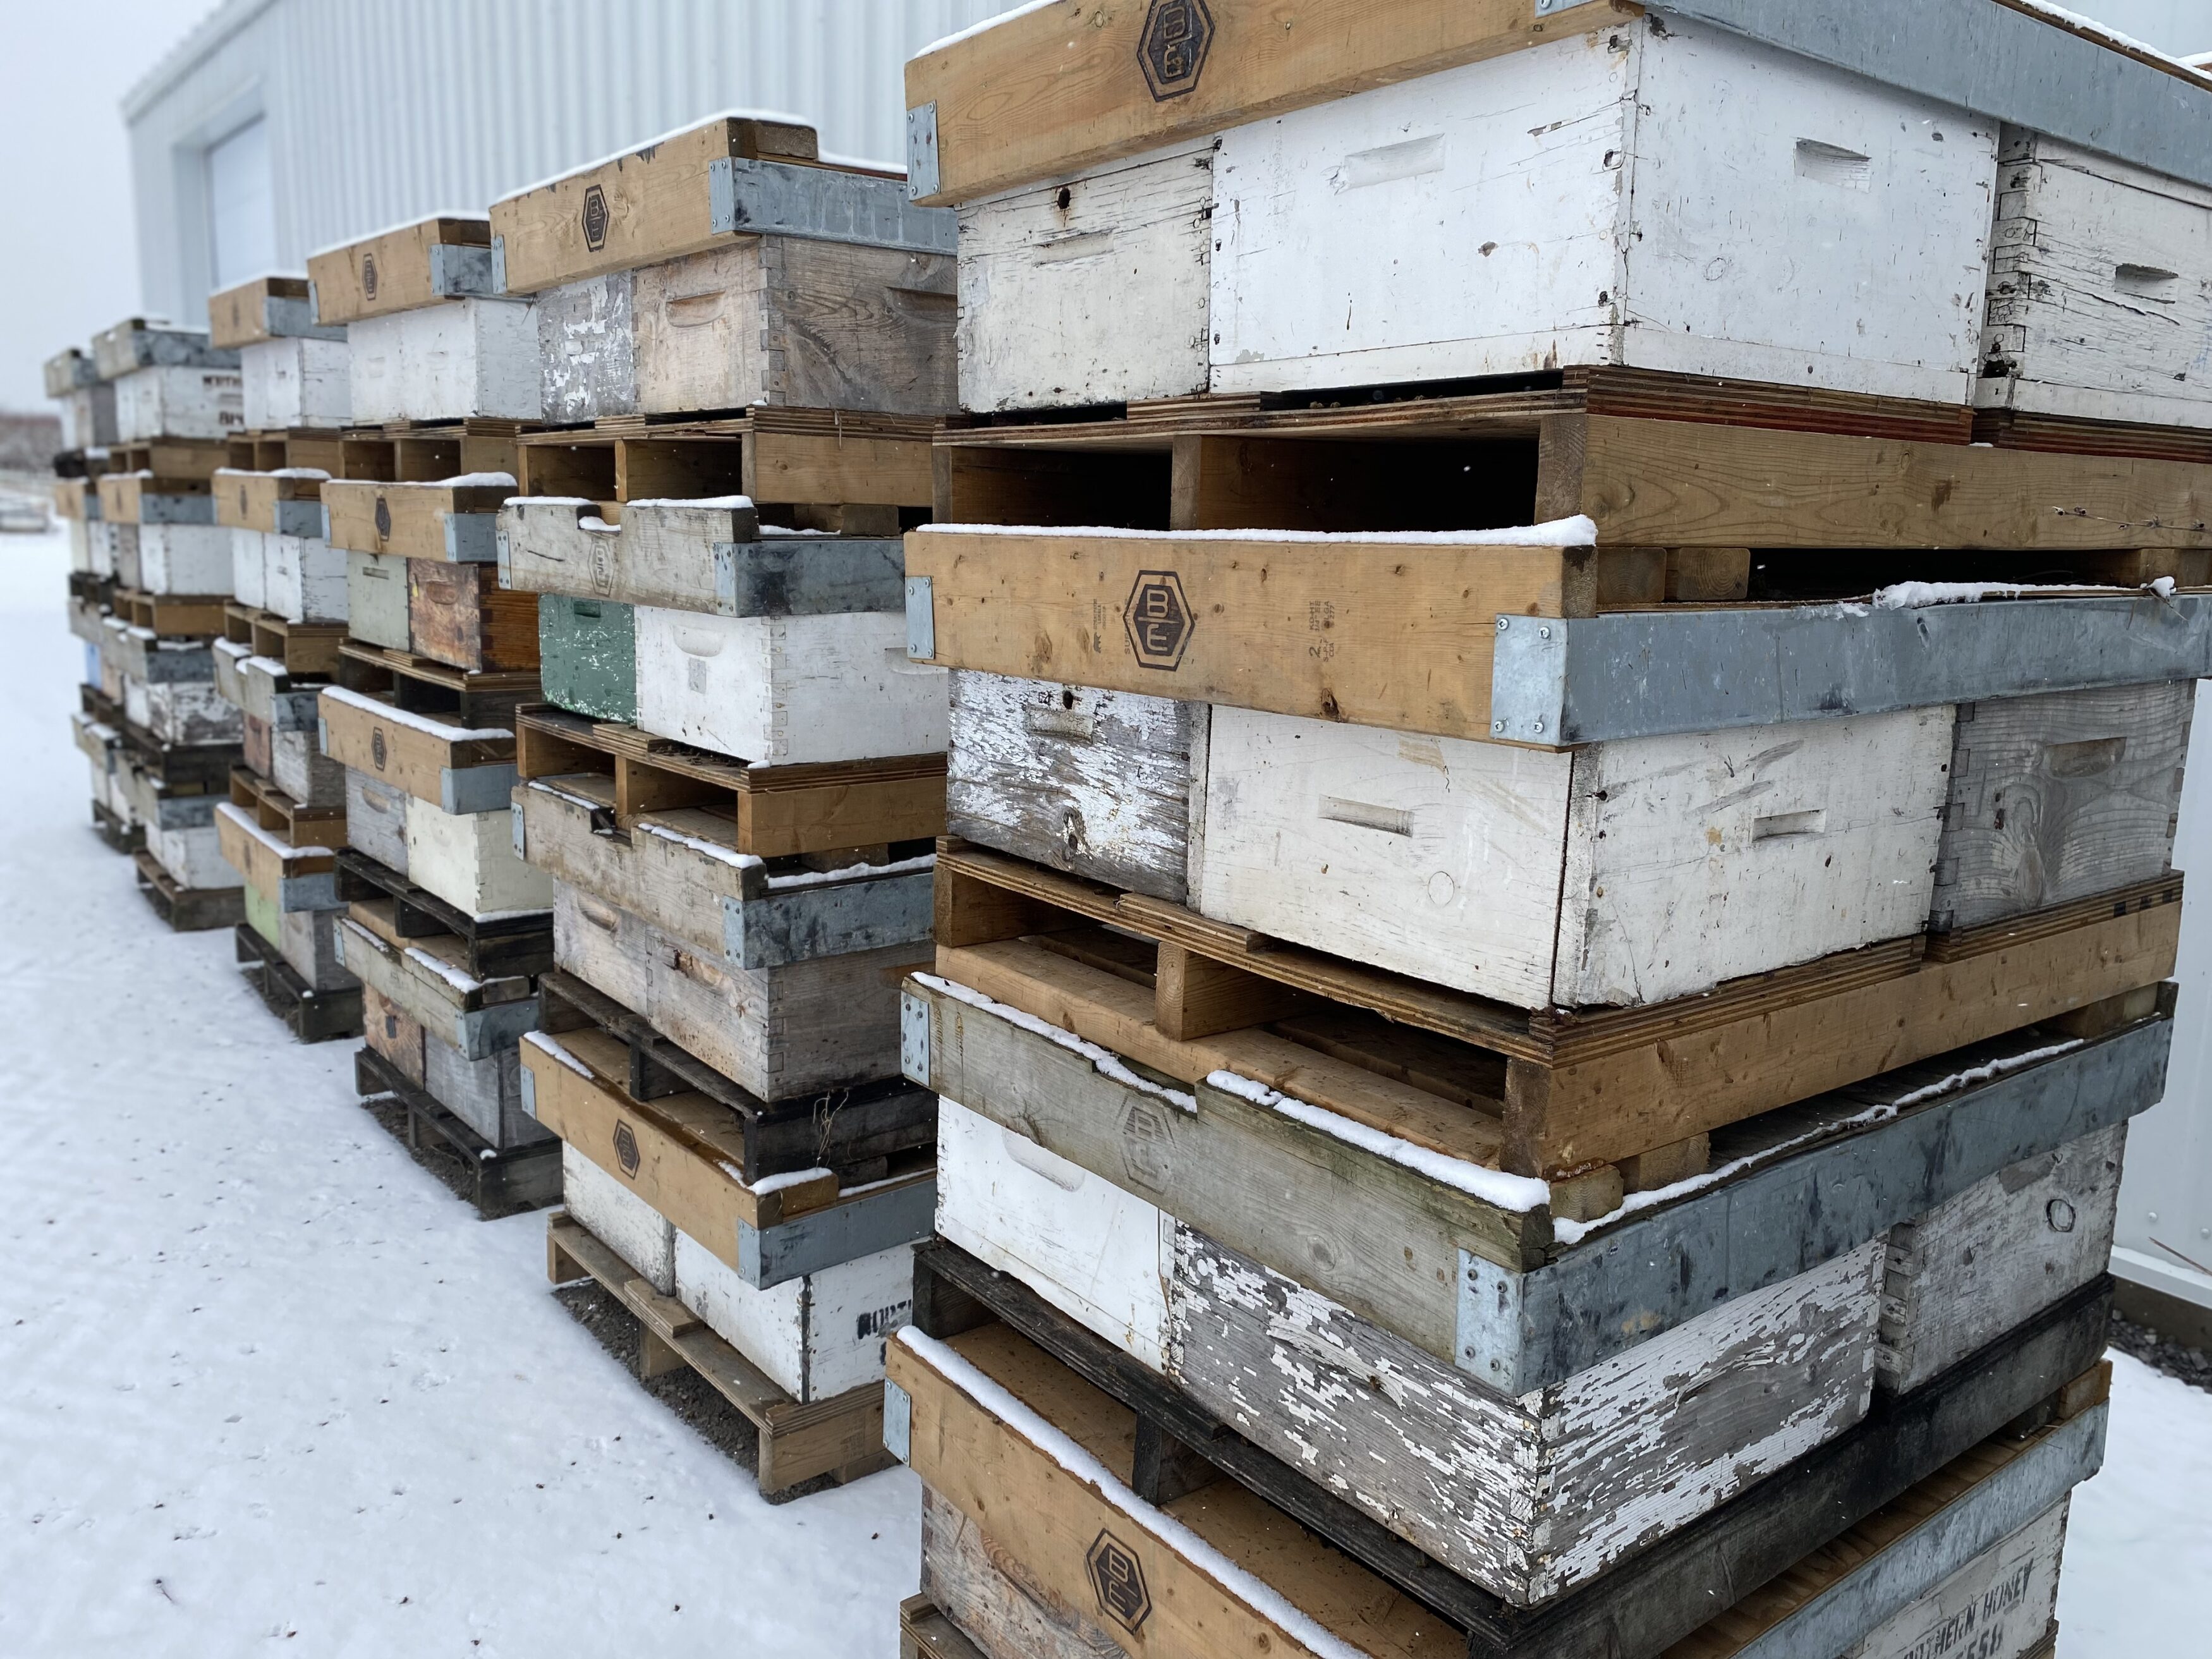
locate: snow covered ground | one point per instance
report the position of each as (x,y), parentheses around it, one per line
(263,1380)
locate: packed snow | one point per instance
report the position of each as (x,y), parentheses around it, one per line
(269,1383)
(267,1379)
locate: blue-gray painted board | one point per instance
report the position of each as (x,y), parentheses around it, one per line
(767,1256)
(802,924)
(775,199)
(1524,1331)
(1561,681)
(466,789)
(1887,1581)
(1996,62)
(810,576)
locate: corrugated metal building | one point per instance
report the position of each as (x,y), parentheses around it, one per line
(278,127)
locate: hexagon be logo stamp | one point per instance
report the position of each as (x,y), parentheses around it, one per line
(596,218)
(376,751)
(383,518)
(1159,619)
(1173,47)
(626,1153)
(1118,1578)
(368,275)
(1147,1144)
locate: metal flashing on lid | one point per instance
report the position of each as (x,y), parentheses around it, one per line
(914,1038)
(822,204)
(921,620)
(462,273)
(1557,681)
(1998,61)
(898,1419)
(499,264)
(921,177)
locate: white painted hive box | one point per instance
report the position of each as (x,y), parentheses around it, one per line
(295,382)
(1657,195)
(179,403)
(458,361)
(1620,874)
(305,578)
(784,690)
(467,858)
(1661,195)
(2100,290)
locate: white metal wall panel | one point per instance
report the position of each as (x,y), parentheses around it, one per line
(2164,1237)
(381,114)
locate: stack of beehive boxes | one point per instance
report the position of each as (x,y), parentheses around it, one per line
(176,403)
(285,819)
(87,402)
(445,927)
(1545,958)
(736,780)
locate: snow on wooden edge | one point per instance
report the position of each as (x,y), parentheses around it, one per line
(407,717)
(1520,1193)
(1262,1598)
(1574,1232)
(1107,1063)
(1576,531)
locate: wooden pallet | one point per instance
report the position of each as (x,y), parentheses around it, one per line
(1685,479)
(97,592)
(187,909)
(421,686)
(109,826)
(502,1184)
(926,1633)
(2045,1372)
(172,616)
(179,466)
(184,768)
(307,650)
(277,812)
(489,947)
(857,1132)
(811,469)
(312,1016)
(103,707)
(422,451)
(1550,1094)
(780,811)
(274,451)
(840,1437)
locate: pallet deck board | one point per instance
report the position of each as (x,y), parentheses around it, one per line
(858,1125)
(779,810)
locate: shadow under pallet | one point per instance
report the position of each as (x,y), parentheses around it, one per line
(841,1437)
(499,1183)
(312,1016)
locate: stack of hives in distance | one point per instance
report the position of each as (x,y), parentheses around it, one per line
(736,780)
(445,927)
(154,578)
(285,819)
(1514,1077)
(87,430)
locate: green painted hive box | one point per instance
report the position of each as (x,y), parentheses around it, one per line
(587,656)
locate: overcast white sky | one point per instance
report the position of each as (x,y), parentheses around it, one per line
(69,256)
(68,262)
